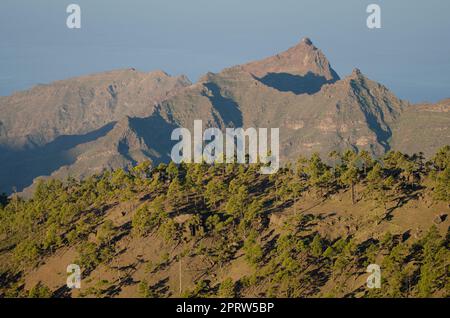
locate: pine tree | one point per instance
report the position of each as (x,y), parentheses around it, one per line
(40,291)
(350,172)
(172,171)
(215,192)
(435,264)
(227,288)
(318,172)
(106,232)
(442,185)
(3,200)
(253,251)
(237,202)
(441,159)
(316,246)
(175,193)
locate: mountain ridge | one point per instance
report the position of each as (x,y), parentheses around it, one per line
(296,90)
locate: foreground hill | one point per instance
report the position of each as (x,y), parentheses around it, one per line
(118,119)
(196,230)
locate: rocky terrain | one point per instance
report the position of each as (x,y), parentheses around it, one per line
(117,119)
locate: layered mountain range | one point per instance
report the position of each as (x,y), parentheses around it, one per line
(81,126)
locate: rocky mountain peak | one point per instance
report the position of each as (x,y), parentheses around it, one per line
(301,59)
(306,41)
(356,72)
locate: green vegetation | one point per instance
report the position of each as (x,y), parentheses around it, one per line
(40,291)
(222,213)
(227,288)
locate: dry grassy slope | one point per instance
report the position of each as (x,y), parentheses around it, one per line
(335,217)
(423,128)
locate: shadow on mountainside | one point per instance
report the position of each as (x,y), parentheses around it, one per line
(227,108)
(297,84)
(156,133)
(374,116)
(20,168)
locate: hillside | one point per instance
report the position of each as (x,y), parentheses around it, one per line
(309,230)
(430,119)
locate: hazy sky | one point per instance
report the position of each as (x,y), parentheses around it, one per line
(410,54)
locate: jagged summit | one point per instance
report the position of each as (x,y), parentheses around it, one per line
(356,75)
(356,72)
(306,41)
(301,59)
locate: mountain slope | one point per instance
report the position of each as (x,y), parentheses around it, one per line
(42,129)
(283,235)
(423,128)
(80,105)
(84,125)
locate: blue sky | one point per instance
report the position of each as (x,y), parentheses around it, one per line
(410,54)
